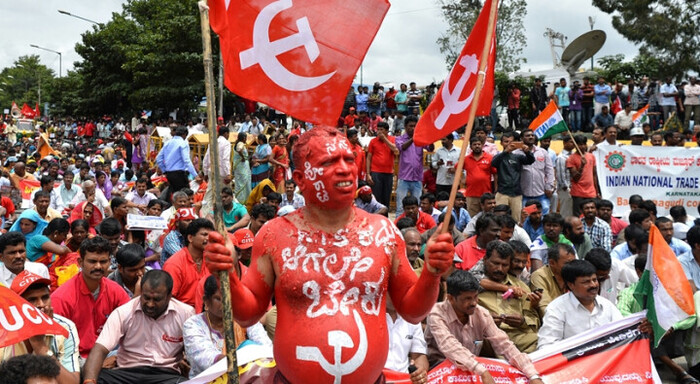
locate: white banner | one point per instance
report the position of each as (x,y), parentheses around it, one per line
(669,176)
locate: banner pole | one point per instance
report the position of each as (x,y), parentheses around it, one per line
(215,178)
(472,113)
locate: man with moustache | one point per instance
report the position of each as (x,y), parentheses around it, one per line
(13,259)
(574,232)
(295,258)
(89,297)
(148,331)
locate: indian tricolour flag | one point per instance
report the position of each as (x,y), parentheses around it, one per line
(549,122)
(640,117)
(663,289)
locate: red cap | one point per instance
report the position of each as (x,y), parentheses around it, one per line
(25,279)
(220,118)
(365,190)
(243,238)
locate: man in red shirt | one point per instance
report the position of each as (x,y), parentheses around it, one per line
(350,118)
(381,153)
(584,181)
(472,251)
(359,152)
(185,266)
(89,297)
(412,210)
(477,164)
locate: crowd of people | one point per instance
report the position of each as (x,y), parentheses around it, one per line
(534,254)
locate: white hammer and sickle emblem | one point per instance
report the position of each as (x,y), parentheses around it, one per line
(453,105)
(338,340)
(265,52)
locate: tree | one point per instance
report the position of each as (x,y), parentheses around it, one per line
(21,82)
(510,31)
(667,30)
(614,68)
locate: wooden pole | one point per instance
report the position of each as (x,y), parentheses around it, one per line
(472,112)
(215,178)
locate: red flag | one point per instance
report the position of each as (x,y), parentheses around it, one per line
(37,111)
(299,58)
(27,187)
(616,106)
(449,109)
(27,111)
(20,320)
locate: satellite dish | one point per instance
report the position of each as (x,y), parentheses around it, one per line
(582,49)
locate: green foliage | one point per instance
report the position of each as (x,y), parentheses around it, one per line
(613,68)
(510,31)
(20,83)
(503,83)
(666,29)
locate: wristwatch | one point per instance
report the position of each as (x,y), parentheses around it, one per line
(535,377)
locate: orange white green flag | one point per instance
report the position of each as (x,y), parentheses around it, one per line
(640,117)
(663,289)
(549,122)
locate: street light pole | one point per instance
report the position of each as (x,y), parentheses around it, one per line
(591,21)
(60,57)
(77,17)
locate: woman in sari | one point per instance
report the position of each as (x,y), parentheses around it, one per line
(140,146)
(241,169)
(104,184)
(258,193)
(280,159)
(79,231)
(30,224)
(261,161)
(89,212)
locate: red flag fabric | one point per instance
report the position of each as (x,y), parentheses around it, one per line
(297,57)
(616,106)
(449,109)
(27,111)
(20,320)
(37,111)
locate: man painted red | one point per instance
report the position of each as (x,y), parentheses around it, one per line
(330,266)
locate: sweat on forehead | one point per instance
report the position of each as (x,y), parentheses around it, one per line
(314,139)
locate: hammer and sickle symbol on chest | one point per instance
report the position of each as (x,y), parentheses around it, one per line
(265,52)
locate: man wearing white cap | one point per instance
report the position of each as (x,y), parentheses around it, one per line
(637,136)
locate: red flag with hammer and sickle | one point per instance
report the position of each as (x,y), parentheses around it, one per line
(297,56)
(449,109)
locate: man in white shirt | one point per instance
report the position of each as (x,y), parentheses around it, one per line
(668,93)
(613,275)
(623,120)
(407,345)
(13,256)
(139,197)
(63,195)
(94,195)
(224,164)
(580,309)
(692,102)
(445,161)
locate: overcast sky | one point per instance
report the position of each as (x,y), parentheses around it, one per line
(403,51)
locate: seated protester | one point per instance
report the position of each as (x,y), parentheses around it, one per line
(405,222)
(31,369)
(414,244)
(518,231)
(553,224)
(154,317)
(180,200)
(186,266)
(532,223)
(665,226)
(235,214)
(640,217)
(457,236)
(203,334)
(626,302)
(131,265)
(632,233)
(458,326)
(42,200)
(62,195)
(259,215)
(427,205)
(46,248)
(290,197)
(442,198)
(88,212)
(573,231)
(13,259)
(487,203)
(681,221)
(111,230)
(174,239)
(520,261)
(89,297)
(259,193)
(459,212)
(407,346)
(120,208)
(598,230)
(689,261)
(30,224)
(578,310)
(423,220)
(152,242)
(649,206)
(613,275)
(516,316)
(367,202)
(472,251)
(139,197)
(604,210)
(79,231)
(548,278)
(94,195)
(507,224)
(64,349)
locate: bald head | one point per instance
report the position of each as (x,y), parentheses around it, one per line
(19,168)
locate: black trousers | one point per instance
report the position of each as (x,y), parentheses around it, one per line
(140,375)
(383,184)
(177,180)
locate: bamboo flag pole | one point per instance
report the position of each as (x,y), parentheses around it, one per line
(490,31)
(215,177)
